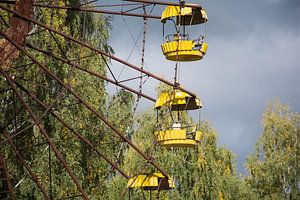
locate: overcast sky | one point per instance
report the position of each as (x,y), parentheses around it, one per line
(253,57)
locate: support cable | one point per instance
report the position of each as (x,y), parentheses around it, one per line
(182,3)
(111,5)
(35,160)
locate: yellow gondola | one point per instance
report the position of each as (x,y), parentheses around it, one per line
(153,181)
(178,46)
(187,15)
(179,136)
(178,100)
(184,49)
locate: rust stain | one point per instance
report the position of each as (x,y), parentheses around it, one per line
(18,31)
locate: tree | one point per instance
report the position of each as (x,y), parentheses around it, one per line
(275,167)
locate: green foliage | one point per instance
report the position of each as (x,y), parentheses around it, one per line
(275,168)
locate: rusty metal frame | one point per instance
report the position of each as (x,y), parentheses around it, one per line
(87,105)
(99,51)
(18,30)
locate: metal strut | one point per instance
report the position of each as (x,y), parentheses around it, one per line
(79,9)
(166,3)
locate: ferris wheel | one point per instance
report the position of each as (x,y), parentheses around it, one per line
(22,94)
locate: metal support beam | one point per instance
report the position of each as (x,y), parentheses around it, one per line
(80,9)
(167,3)
(6,177)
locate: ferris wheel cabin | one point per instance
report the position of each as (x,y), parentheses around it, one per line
(153,181)
(178,135)
(179,47)
(178,100)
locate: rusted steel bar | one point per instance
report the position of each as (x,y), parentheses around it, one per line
(22,161)
(80,9)
(131,79)
(98,50)
(91,72)
(7,178)
(77,96)
(43,131)
(89,143)
(167,3)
